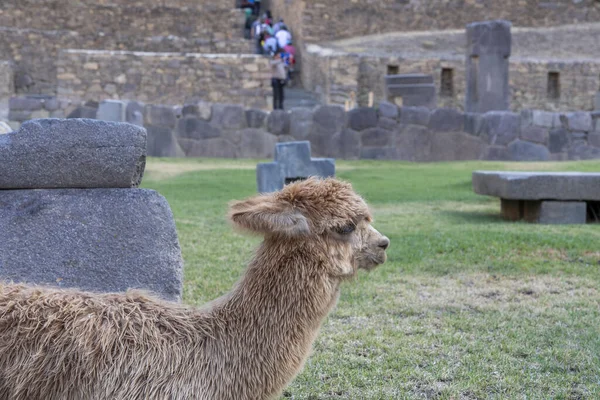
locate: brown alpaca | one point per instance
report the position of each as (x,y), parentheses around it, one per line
(248,344)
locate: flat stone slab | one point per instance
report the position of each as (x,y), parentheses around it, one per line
(72,153)
(563,186)
(103,240)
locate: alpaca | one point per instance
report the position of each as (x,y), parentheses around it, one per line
(247,345)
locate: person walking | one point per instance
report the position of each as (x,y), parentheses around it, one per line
(283,36)
(278,79)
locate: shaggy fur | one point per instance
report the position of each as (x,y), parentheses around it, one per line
(247,345)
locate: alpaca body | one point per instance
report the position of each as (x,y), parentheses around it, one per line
(247,345)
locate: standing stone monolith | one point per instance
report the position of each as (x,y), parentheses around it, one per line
(488,52)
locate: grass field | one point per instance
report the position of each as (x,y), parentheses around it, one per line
(467,307)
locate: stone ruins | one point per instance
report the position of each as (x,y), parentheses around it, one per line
(72,215)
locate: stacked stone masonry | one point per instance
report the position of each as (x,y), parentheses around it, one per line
(387,132)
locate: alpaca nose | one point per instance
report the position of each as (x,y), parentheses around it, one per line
(384,243)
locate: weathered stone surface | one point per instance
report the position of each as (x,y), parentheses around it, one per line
(446,120)
(301,122)
(512,210)
(348,144)
(582,151)
(388,110)
(4,128)
(362,118)
(496,153)
(558,140)
(257,143)
(75,153)
(377,137)
(158,115)
(278,122)
(200,109)
(25,103)
(134,113)
(228,116)
(292,162)
(285,139)
(501,127)
(538,185)
(526,151)
(536,134)
(413,143)
(414,116)
(191,127)
(104,240)
(577,121)
(162,142)
(215,147)
(545,119)
(451,146)
(378,153)
(256,118)
(387,123)
(594,139)
(82,112)
(111,110)
(330,118)
(473,123)
(555,212)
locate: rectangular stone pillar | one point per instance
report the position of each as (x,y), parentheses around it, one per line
(556,212)
(488,51)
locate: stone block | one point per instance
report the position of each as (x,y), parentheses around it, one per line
(159,115)
(20,115)
(558,140)
(348,144)
(378,153)
(101,240)
(278,122)
(200,109)
(473,123)
(162,142)
(292,162)
(501,127)
(597,101)
(301,122)
(496,153)
(454,146)
(413,95)
(214,147)
(134,113)
(330,118)
(257,143)
(577,121)
(446,120)
(569,186)
(75,153)
(544,119)
(25,104)
(362,118)
(111,110)
(84,112)
(377,137)
(408,79)
(413,143)
(596,120)
(535,134)
(582,151)
(512,210)
(414,116)
(594,139)
(256,118)
(228,116)
(489,37)
(555,212)
(387,124)
(388,110)
(191,127)
(526,151)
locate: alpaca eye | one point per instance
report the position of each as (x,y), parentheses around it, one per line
(346,229)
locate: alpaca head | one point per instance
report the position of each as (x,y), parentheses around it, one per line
(324,213)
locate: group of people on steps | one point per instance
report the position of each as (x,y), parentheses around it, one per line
(274,40)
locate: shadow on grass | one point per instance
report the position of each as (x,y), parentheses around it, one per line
(474,217)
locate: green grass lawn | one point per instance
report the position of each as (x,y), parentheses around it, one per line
(467,307)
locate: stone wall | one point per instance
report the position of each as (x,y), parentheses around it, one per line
(164,78)
(387,132)
(7,86)
(338,77)
(314,21)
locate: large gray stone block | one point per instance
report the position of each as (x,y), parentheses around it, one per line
(413,143)
(577,121)
(536,134)
(256,143)
(301,122)
(228,116)
(362,118)
(72,153)
(556,212)
(105,240)
(500,127)
(292,162)
(446,120)
(330,118)
(520,150)
(111,110)
(544,119)
(278,122)
(558,140)
(191,127)
(256,118)
(158,115)
(162,142)
(573,186)
(134,113)
(348,144)
(377,137)
(454,146)
(214,147)
(388,110)
(414,116)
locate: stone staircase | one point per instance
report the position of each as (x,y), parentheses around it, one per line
(298,97)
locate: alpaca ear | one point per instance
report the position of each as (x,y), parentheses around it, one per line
(263,214)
